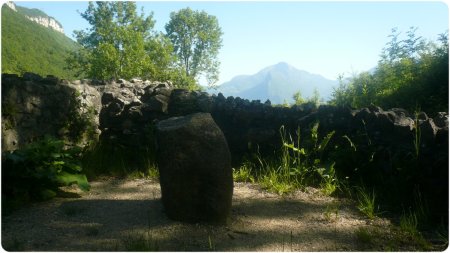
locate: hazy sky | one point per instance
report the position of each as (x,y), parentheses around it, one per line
(327,38)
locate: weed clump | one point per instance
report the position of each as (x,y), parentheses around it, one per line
(38,170)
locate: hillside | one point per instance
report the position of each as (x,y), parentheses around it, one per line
(31,47)
(277,83)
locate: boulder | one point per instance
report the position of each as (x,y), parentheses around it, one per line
(195,169)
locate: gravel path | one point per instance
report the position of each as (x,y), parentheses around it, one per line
(128,215)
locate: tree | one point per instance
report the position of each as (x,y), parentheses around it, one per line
(196,37)
(315,98)
(298,100)
(115,45)
(411,74)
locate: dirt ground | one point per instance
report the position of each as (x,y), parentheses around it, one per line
(127,215)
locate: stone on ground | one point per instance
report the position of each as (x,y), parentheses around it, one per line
(195,169)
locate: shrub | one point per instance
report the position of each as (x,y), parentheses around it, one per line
(36,171)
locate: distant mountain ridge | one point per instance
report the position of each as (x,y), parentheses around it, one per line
(278,83)
(29,46)
(37,16)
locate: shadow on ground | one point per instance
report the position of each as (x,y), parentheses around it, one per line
(132,219)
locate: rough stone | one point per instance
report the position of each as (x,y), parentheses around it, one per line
(158,103)
(195,169)
(428,131)
(33,108)
(441,120)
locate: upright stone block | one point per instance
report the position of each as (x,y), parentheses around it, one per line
(195,169)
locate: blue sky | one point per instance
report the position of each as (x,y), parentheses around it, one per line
(327,38)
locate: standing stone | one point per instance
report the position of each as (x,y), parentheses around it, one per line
(195,169)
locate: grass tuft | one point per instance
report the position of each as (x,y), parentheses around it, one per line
(409,223)
(140,242)
(244,173)
(363,235)
(366,202)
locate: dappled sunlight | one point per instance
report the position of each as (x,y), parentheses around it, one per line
(117,214)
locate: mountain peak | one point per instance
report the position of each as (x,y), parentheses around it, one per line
(11,5)
(282,66)
(277,83)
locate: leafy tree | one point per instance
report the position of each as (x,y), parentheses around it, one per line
(298,100)
(196,37)
(115,45)
(160,50)
(411,73)
(315,98)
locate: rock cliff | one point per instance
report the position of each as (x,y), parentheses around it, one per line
(48,22)
(37,16)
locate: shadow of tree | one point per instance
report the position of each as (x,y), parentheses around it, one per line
(256,224)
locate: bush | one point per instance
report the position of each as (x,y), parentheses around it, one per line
(36,171)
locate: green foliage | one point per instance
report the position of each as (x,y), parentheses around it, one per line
(411,72)
(211,244)
(109,158)
(115,45)
(409,223)
(366,202)
(275,179)
(332,210)
(329,180)
(244,173)
(139,242)
(314,99)
(36,171)
(30,47)
(363,235)
(296,167)
(123,44)
(196,37)
(151,173)
(298,100)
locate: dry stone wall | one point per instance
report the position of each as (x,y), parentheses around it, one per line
(124,113)
(34,107)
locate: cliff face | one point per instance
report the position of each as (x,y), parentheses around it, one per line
(48,22)
(37,16)
(11,5)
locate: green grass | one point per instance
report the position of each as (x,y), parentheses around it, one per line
(211,244)
(409,223)
(296,166)
(363,235)
(244,173)
(151,173)
(109,158)
(366,202)
(272,181)
(332,211)
(329,180)
(139,242)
